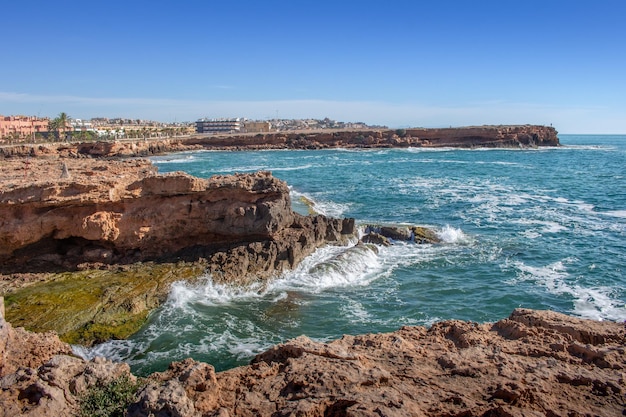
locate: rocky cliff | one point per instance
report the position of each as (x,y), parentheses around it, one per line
(522,136)
(535,363)
(69,212)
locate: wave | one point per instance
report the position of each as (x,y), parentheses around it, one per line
(614,213)
(588,302)
(173,159)
(332,267)
(305,202)
(450,234)
(208,293)
(589,147)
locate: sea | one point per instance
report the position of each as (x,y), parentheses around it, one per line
(533,228)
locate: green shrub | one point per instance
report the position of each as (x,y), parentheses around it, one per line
(109,400)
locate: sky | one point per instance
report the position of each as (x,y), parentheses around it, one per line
(395,63)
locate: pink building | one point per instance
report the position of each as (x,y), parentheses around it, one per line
(21,127)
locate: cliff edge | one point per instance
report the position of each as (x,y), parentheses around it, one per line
(501,136)
(69,213)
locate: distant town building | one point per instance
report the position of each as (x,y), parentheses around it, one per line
(81,125)
(253,126)
(22,127)
(219,125)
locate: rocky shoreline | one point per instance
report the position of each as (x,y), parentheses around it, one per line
(89,247)
(522,136)
(535,363)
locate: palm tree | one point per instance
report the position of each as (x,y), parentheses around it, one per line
(59,124)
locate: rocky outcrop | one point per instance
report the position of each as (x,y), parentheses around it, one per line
(122,212)
(535,363)
(98,219)
(461,137)
(99,149)
(20,348)
(385,235)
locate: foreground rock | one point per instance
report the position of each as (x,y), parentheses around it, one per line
(386,235)
(82,215)
(535,363)
(39,377)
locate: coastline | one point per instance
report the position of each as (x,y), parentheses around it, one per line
(522,136)
(579,359)
(89,209)
(532,363)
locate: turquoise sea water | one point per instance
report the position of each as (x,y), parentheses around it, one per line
(541,228)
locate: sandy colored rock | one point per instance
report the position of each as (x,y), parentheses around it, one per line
(500,136)
(111,212)
(20,348)
(535,363)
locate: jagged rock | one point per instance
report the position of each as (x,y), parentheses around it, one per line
(187,388)
(376,239)
(122,212)
(534,363)
(56,387)
(39,378)
(20,348)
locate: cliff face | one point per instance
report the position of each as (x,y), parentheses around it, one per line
(535,363)
(524,136)
(462,137)
(122,212)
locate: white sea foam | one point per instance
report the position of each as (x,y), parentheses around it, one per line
(115,350)
(589,302)
(290,168)
(330,208)
(331,267)
(179,158)
(450,234)
(588,147)
(354,310)
(615,213)
(318,205)
(552,227)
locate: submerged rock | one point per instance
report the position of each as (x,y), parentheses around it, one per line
(385,235)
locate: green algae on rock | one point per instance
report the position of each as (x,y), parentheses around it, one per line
(93,306)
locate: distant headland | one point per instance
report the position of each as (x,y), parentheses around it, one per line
(497,136)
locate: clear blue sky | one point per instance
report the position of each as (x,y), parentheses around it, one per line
(399,63)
